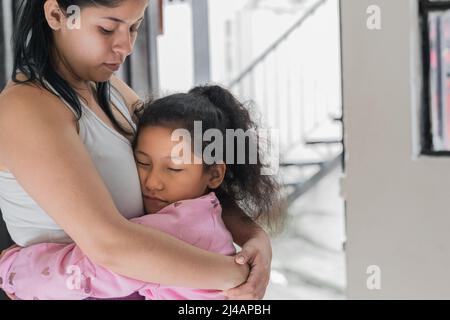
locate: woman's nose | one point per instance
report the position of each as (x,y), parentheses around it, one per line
(124,45)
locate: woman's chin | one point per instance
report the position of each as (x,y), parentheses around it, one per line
(103,79)
(102,76)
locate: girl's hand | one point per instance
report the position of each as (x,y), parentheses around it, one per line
(10,296)
(257,252)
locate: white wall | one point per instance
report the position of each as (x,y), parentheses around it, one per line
(175,49)
(398,212)
(253,30)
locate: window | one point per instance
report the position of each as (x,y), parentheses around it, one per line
(436,52)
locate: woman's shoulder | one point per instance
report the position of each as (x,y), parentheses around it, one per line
(24,90)
(130,97)
(23,93)
(16,94)
(31,99)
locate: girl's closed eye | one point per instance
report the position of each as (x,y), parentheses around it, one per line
(142,163)
(175,169)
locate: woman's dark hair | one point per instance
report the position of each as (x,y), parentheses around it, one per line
(34,53)
(216,108)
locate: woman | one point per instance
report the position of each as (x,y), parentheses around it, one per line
(67,171)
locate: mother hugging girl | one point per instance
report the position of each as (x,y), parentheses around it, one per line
(96,203)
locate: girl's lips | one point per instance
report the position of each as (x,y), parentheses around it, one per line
(154,204)
(154,199)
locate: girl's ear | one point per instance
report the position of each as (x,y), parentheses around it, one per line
(216,175)
(53,14)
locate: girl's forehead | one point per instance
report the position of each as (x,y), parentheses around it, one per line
(161,136)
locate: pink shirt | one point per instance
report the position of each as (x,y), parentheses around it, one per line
(57,271)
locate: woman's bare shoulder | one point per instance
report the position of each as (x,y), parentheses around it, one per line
(31,96)
(34,103)
(15,92)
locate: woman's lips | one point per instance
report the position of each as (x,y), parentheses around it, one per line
(113,67)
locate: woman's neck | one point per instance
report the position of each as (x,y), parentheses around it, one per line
(83,88)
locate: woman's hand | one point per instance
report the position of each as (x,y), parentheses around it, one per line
(257,252)
(10,296)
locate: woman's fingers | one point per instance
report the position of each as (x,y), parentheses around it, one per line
(251,290)
(257,252)
(241,259)
(246,255)
(255,286)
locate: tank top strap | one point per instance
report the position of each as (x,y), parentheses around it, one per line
(52,89)
(118,100)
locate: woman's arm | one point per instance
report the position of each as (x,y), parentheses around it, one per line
(50,271)
(256,250)
(39,144)
(240,225)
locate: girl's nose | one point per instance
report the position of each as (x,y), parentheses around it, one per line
(153,182)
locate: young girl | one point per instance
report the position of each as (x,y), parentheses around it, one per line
(181,198)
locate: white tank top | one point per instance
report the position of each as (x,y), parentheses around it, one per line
(113,157)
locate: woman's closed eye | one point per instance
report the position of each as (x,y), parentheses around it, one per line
(105,31)
(175,169)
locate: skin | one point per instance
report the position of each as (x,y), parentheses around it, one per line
(84,208)
(164,180)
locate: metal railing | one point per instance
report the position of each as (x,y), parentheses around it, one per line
(295,86)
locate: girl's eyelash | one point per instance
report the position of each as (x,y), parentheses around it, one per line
(176,170)
(143,164)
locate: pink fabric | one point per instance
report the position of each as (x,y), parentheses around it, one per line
(58,271)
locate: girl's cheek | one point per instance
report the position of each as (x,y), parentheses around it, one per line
(141,173)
